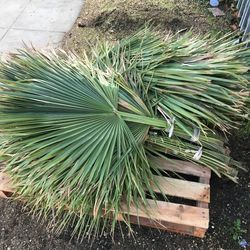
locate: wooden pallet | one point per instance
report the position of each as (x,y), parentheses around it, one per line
(172,216)
(175,217)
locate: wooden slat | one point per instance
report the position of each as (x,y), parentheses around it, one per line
(183,167)
(199,232)
(168,226)
(2,195)
(5,184)
(173,213)
(184,189)
(204,181)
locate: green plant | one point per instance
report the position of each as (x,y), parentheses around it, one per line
(80,134)
(192,82)
(244,130)
(236,230)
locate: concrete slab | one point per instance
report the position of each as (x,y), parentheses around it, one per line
(10,10)
(49,15)
(41,23)
(39,39)
(57,3)
(2,33)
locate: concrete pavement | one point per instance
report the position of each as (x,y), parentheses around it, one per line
(42,23)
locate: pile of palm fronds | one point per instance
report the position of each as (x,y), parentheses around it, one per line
(79,133)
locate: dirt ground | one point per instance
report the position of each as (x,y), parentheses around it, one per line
(111,20)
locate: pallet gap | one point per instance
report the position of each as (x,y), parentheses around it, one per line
(173,199)
(180,176)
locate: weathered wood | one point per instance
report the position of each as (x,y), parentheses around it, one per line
(183,167)
(5,184)
(203,180)
(173,213)
(199,232)
(184,189)
(3,195)
(168,226)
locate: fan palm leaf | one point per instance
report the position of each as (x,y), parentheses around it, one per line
(70,145)
(80,135)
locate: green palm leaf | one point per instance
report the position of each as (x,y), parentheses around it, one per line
(70,144)
(79,134)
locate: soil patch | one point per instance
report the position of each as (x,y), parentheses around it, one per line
(111,20)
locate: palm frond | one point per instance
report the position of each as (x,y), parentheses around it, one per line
(79,133)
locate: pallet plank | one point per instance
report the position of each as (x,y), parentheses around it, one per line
(183,167)
(168,226)
(204,181)
(5,184)
(2,195)
(184,189)
(173,213)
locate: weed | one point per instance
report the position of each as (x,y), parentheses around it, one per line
(237,230)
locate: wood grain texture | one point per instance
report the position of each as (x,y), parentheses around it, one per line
(173,213)
(168,226)
(183,167)
(204,181)
(184,189)
(5,183)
